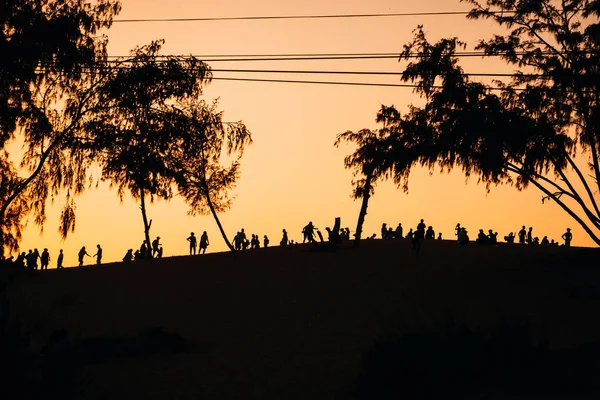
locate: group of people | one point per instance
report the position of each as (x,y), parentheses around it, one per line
(153,250)
(241,242)
(193,243)
(30,259)
(525,237)
(336,236)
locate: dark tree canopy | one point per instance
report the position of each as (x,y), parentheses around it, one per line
(138,132)
(534,128)
(49,86)
(205,182)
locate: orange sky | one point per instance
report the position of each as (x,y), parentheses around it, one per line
(292,173)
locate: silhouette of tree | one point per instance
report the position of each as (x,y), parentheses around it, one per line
(382,154)
(48,89)
(204,182)
(138,130)
(530,131)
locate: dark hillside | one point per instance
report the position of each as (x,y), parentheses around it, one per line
(293,323)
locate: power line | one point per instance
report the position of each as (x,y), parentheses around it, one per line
(284,17)
(278,71)
(401,85)
(327,56)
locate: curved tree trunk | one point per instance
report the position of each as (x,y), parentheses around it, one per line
(363,209)
(214,213)
(146,224)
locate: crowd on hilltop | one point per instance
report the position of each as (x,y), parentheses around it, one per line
(336,236)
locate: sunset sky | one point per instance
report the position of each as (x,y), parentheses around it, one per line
(292,173)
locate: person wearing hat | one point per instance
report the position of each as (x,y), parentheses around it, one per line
(567,237)
(192,240)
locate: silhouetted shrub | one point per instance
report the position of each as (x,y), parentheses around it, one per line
(452,362)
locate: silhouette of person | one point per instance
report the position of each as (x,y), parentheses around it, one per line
(457,231)
(45,259)
(137,255)
(155,244)
(492,237)
(567,237)
(29,259)
(522,234)
(420,233)
(481,237)
(35,256)
(510,238)
(384,231)
(530,236)
(81,254)
(128,256)
(463,236)
(160,252)
(440,236)
(59,260)
(98,255)
(284,239)
(266,241)
(309,233)
(144,251)
(410,234)
(430,233)
(203,242)
(192,240)
(545,241)
(398,233)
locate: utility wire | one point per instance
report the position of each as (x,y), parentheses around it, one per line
(398,85)
(284,17)
(276,71)
(326,56)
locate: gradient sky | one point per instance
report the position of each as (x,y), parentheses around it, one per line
(292,173)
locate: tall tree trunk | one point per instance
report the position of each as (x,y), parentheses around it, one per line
(363,209)
(146,225)
(214,213)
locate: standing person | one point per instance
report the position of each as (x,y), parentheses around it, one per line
(398,233)
(98,255)
(35,256)
(457,230)
(284,239)
(522,234)
(45,259)
(192,240)
(420,233)
(266,241)
(203,242)
(155,245)
(59,260)
(530,235)
(309,233)
(567,237)
(81,254)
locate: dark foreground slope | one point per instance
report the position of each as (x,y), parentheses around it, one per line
(294,323)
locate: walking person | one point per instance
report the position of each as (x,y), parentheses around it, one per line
(81,254)
(59,260)
(155,245)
